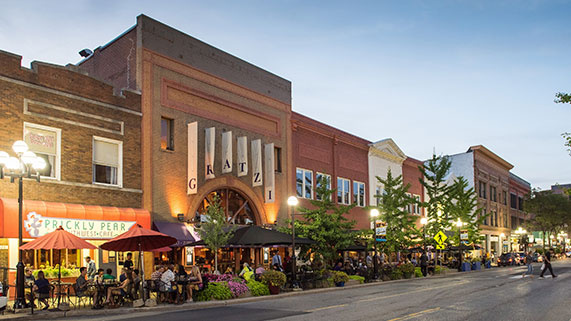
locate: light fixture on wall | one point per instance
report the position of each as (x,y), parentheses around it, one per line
(180,217)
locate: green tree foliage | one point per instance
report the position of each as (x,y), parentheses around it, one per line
(552,212)
(564,98)
(393,205)
(464,207)
(438,192)
(326,224)
(216,231)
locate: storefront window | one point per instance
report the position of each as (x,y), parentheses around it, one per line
(189,255)
(237,207)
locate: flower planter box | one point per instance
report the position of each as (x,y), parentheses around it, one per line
(274,289)
(466,266)
(352,282)
(476,265)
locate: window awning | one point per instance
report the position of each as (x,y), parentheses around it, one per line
(86,221)
(177,230)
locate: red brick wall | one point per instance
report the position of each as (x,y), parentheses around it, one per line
(321,148)
(57,94)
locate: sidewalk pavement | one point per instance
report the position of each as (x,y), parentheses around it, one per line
(53,315)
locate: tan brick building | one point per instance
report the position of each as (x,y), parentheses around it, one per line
(89,135)
(213,124)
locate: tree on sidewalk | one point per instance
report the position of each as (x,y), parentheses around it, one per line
(464,207)
(552,212)
(216,231)
(393,207)
(564,98)
(325,223)
(439,193)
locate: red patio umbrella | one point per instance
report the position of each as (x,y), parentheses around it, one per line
(58,240)
(139,239)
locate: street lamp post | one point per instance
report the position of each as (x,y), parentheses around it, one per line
(523,237)
(459,225)
(26,165)
(292,202)
(424,221)
(374,214)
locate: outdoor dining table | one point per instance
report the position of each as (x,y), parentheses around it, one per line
(61,291)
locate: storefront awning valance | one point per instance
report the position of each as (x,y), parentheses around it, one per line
(90,222)
(177,230)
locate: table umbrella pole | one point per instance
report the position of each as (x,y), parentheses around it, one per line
(59,282)
(141,258)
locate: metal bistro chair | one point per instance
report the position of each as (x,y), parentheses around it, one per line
(82,297)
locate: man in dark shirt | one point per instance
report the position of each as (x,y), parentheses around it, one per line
(547,262)
(128,264)
(424,263)
(81,282)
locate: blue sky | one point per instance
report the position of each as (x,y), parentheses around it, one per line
(432,75)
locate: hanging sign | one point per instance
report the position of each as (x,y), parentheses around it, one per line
(192,173)
(270,186)
(227,152)
(380,231)
(257,163)
(242,156)
(209,145)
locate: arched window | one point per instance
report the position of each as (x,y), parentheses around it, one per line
(236,206)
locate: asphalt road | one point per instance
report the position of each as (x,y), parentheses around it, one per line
(497,294)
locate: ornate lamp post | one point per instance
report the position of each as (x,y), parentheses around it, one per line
(374,214)
(25,165)
(292,202)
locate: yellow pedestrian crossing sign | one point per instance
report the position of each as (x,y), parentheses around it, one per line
(439,247)
(440,237)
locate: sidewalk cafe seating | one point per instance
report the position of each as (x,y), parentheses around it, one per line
(80,297)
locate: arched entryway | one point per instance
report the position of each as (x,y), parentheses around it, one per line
(238,208)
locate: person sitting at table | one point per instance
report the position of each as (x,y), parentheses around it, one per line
(99,277)
(195,279)
(128,264)
(136,283)
(81,282)
(119,290)
(42,287)
(158,272)
(123,275)
(108,275)
(28,284)
(247,272)
(167,279)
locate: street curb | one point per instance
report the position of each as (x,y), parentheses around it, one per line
(41,315)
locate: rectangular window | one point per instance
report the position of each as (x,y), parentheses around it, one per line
(492,217)
(45,142)
(505,197)
(107,161)
(408,208)
(493,194)
(277,159)
(318,178)
(482,190)
(359,193)
(513,201)
(167,134)
(343,191)
(304,183)
(520,203)
(416,205)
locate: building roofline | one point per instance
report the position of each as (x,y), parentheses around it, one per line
(482,149)
(305,121)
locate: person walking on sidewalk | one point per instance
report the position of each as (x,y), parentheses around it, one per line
(547,263)
(424,263)
(528,260)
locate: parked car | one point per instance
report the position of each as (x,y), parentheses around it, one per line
(537,257)
(3,298)
(508,259)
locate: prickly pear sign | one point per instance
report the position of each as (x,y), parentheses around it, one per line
(37,225)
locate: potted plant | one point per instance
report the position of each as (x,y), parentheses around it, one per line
(339,278)
(476,263)
(407,270)
(274,280)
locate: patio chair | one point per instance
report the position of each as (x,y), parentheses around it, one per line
(80,297)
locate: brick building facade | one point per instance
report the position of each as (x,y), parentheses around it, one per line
(321,150)
(412,176)
(89,135)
